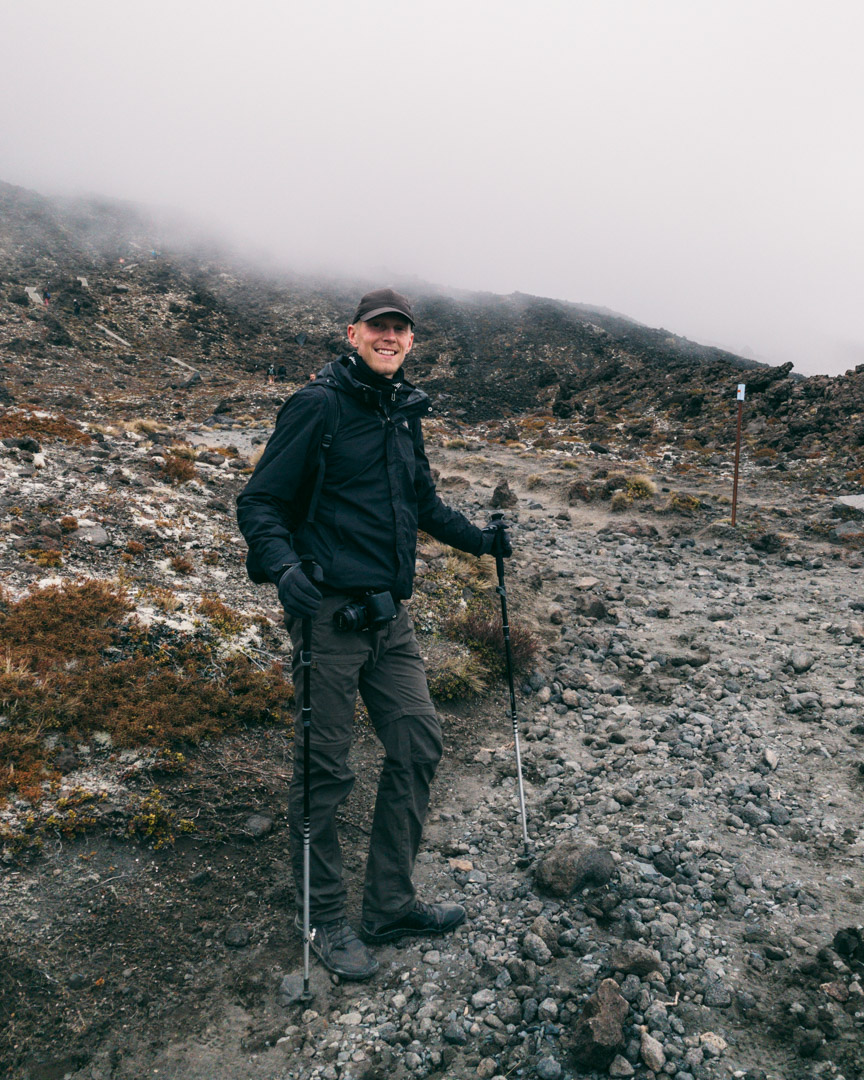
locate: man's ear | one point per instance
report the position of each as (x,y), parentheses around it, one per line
(352,336)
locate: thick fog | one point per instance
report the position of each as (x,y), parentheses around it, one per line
(695,165)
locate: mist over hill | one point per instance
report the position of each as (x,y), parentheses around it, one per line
(132,291)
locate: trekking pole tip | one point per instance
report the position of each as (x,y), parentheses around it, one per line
(295,991)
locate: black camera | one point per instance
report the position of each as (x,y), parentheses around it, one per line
(373,612)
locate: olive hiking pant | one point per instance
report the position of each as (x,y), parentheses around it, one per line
(387,670)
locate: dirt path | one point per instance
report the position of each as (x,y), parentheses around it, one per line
(701,720)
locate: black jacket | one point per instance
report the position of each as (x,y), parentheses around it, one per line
(377,487)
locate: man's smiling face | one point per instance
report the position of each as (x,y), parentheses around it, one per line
(382,342)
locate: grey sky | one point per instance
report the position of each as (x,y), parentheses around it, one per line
(696,164)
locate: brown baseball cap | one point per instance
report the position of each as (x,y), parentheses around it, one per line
(380,302)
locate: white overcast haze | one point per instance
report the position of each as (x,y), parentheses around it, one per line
(694,164)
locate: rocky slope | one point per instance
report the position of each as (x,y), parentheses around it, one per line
(690,722)
(145,300)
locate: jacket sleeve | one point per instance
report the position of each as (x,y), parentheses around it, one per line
(434,516)
(273,503)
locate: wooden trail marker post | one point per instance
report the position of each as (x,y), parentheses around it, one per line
(742,389)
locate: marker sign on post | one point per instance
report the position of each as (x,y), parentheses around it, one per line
(740,396)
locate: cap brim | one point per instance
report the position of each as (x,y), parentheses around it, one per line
(386,311)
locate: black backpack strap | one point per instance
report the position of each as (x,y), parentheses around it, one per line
(331,426)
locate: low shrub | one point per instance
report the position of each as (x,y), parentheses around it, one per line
(15,424)
(458,676)
(582,491)
(481,629)
(142,426)
(183,450)
(640,487)
(72,661)
(164,599)
(680,503)
(152,820)
(177,469)
(46,557)
(225,619)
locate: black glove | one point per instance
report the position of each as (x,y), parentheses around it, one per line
(297,594)
(495,539)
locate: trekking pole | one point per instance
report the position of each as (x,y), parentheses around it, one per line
(306,715)
(508,654)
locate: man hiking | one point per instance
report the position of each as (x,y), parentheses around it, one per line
(331,515)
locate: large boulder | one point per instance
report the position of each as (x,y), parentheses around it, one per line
(571,866)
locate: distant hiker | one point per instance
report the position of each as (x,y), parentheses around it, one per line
(76,306)
(271,375)
(282,373)
(46,296)
(344,483)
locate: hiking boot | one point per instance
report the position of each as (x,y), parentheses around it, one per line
(339,949)
(423,919)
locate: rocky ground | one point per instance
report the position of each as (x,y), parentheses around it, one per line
(692,750)
(691,730)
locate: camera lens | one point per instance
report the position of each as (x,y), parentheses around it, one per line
(350,617)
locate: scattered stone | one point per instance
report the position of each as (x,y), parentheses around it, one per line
(258,825)
(712,1044)
(651,1052)
(801,660)
(548,1069)
(712,761)
(536,949)
(572,865)
(634,958)
(94,535)
(502,496)
(717,996)
(483,999)
(237,936)
(598,1033)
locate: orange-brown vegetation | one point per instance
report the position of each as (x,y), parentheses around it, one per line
(223,617)
(177,469)
(15,424)
(72,662)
